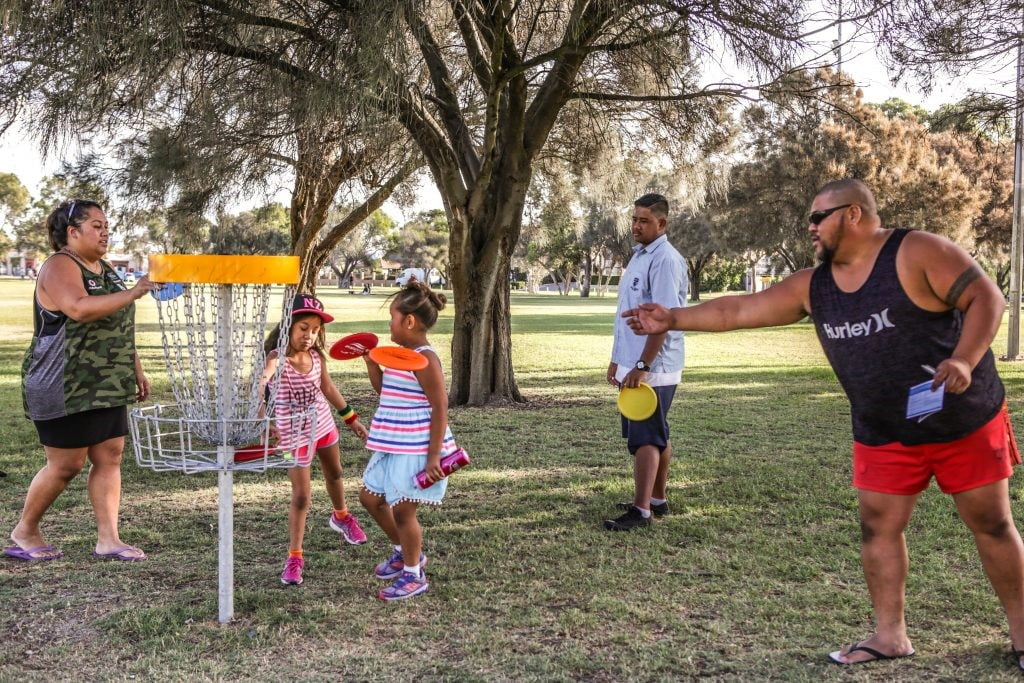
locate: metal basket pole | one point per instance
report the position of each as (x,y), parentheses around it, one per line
(225,458)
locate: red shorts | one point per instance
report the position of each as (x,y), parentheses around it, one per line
(982,457)
(328,439)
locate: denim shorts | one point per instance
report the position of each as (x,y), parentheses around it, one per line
(654,430)
(391,475)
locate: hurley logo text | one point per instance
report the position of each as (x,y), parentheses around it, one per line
(872,325)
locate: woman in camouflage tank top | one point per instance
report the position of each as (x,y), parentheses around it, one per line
(79,375)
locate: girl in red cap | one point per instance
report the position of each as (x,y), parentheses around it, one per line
(304,382)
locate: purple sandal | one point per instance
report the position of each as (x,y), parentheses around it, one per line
(28,554)
(119,554)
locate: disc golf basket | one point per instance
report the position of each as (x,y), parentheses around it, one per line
(213,322)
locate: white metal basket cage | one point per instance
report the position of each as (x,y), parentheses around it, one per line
(166,439)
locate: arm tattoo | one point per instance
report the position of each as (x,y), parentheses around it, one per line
(962,282)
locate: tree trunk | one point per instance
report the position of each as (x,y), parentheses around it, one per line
(588,268)
(481,262)
(557,282)
(482,337)
(696,266)
(534,274)
(1003,279)
(337,273)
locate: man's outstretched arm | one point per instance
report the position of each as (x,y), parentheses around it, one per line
(785,303)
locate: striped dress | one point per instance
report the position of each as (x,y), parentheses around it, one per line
(401,424)
(297,391)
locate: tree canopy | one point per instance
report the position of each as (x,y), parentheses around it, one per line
(795,147)
(483,90)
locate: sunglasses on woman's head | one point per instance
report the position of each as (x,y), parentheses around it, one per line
(818,216)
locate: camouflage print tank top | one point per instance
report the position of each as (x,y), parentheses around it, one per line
(73,366)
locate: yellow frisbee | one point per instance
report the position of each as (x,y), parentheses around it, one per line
(639,403)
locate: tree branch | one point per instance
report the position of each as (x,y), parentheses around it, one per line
(582,28)
(736,93)
(473,50)
(216,45)
(446,99)
(259,20)
(336,232)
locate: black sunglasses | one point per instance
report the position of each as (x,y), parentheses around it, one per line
(818,216)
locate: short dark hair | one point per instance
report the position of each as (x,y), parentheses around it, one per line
(655,202)
(68,214)
(852,191)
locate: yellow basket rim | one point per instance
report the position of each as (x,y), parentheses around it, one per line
(224,270)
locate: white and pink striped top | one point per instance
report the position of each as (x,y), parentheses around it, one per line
(296,391)
(402,422)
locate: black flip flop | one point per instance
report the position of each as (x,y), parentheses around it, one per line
(875,654)
(1017,654)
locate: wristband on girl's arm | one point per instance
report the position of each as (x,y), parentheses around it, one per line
(348,414)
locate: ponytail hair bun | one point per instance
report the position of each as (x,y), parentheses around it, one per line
(418,299)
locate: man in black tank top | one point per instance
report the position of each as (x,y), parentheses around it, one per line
(906,320)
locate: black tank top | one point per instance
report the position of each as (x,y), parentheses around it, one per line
(877,339)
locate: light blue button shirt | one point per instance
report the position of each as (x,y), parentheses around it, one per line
(656,274)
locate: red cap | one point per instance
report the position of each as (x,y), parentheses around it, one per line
(307,303)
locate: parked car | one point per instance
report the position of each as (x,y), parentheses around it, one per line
(129,278)
(431,277)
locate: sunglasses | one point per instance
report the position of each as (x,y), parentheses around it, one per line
(818,216)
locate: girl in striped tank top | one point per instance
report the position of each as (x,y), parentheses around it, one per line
(409,433)
(305,382)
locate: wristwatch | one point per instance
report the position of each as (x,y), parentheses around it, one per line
(640,365)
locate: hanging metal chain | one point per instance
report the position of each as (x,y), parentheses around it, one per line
(218,331)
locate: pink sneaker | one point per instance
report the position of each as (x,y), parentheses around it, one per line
(349,529)
(292,574)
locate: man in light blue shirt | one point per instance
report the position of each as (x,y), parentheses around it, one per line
(656,274)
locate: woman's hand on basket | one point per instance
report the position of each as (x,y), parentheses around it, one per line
(144,286)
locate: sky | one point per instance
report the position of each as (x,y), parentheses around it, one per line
(22,156)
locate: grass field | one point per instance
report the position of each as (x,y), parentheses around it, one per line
(755,575)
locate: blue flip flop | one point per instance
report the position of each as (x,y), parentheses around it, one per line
(28,554)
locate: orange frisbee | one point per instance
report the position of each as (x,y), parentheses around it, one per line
(398,358)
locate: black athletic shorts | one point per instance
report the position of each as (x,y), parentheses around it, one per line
(87,428)
(654,430)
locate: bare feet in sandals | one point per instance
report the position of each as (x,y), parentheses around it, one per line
(1018,656)
(31,548)
(871,650)
(118,551)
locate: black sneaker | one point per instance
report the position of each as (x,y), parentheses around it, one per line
(629,520)
(656,510)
